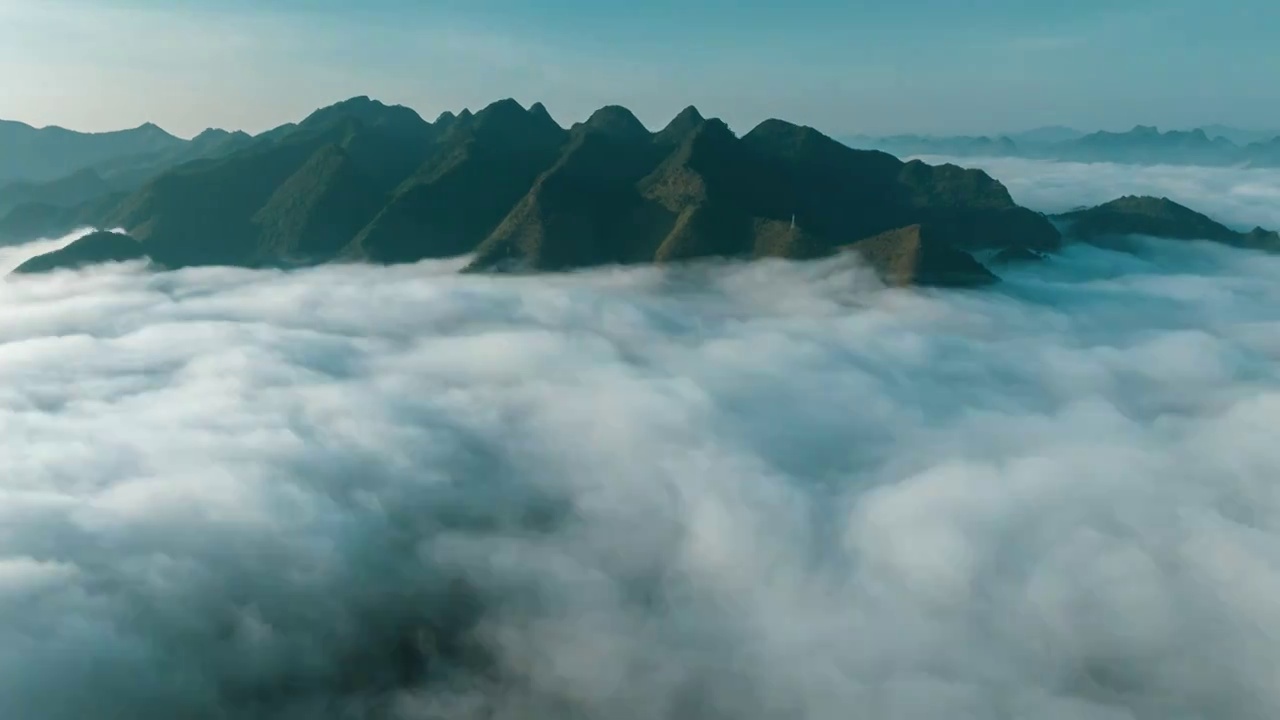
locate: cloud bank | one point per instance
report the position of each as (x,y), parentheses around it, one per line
(750,491)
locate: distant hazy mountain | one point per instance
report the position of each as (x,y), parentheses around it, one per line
(52,166)
(78,187)
(1240,136)
(958,145)
(43,220)
(1143,145)
(1045,135)
(40,155)
(508,185)
(1265,154)
(136,169)
(1147,145)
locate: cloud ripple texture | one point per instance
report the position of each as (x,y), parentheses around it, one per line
(735,490)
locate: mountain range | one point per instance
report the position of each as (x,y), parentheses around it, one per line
(360,181)
(1215,145)
(63,167)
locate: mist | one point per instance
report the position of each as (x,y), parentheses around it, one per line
(733,490)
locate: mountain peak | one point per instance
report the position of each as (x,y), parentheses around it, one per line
(774,127)
(682,124)
(782,138)
(688,116)
(1141,203)
(614,120)
(505,106)
(357,104)
(364,109)
(445,121)
(1147,215)
(715,127)
(509,118)
(97,247)
(502,113)
(209,133)
(539,110)
(150,129)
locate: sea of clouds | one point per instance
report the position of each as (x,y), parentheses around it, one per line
(748,491)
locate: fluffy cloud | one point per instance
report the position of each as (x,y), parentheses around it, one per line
(765,490)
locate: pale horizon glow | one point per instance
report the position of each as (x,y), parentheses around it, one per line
(924,66)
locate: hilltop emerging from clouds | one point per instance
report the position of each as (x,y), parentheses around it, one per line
(514,190)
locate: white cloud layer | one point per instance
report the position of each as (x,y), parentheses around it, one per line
(746,491)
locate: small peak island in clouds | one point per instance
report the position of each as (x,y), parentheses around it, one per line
(385,361)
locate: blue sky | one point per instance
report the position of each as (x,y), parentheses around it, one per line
(877,66)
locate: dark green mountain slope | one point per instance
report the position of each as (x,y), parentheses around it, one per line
(93,184)
(78,187)
(92,249)
(477,169)
(586,208)
(363,181)
(33,221)
(844,193)
(314,213)
(131,172)
(298,198)
(45,154)
(696,190)
(915,255)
